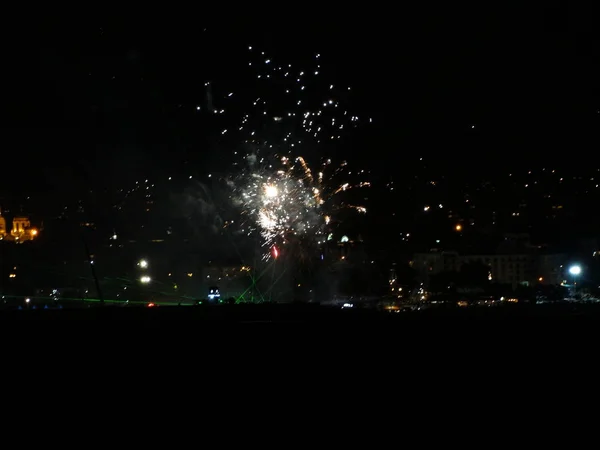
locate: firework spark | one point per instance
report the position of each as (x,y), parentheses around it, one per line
(292,110)
(285,200)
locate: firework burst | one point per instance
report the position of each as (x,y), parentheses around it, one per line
(291,109)
(285,200)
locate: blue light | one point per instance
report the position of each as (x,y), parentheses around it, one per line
(214,294)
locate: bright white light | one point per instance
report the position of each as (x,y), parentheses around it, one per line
(145,279)
(271,191)
(143,264)
(575,270)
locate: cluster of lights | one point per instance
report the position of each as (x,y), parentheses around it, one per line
(292,109)
(143,264)
(545,182)
(289,101)
(288,200)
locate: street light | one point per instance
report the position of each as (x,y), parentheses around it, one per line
(575,271)
(143,264)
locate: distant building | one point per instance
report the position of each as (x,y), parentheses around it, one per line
(512,268)
(21,230)
(2,226)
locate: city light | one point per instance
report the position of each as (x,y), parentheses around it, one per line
(524,223)
(575,271)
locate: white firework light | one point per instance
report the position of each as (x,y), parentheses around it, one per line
(292,110)
(287,201)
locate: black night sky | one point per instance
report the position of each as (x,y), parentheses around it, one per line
(106,98)
(467,95)
(361,158)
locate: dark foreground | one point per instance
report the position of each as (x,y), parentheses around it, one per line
(245,341)
(299,312)
(507,318)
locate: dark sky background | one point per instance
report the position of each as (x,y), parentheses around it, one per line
(101,99)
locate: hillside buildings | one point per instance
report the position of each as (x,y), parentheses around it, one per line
(20,231)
